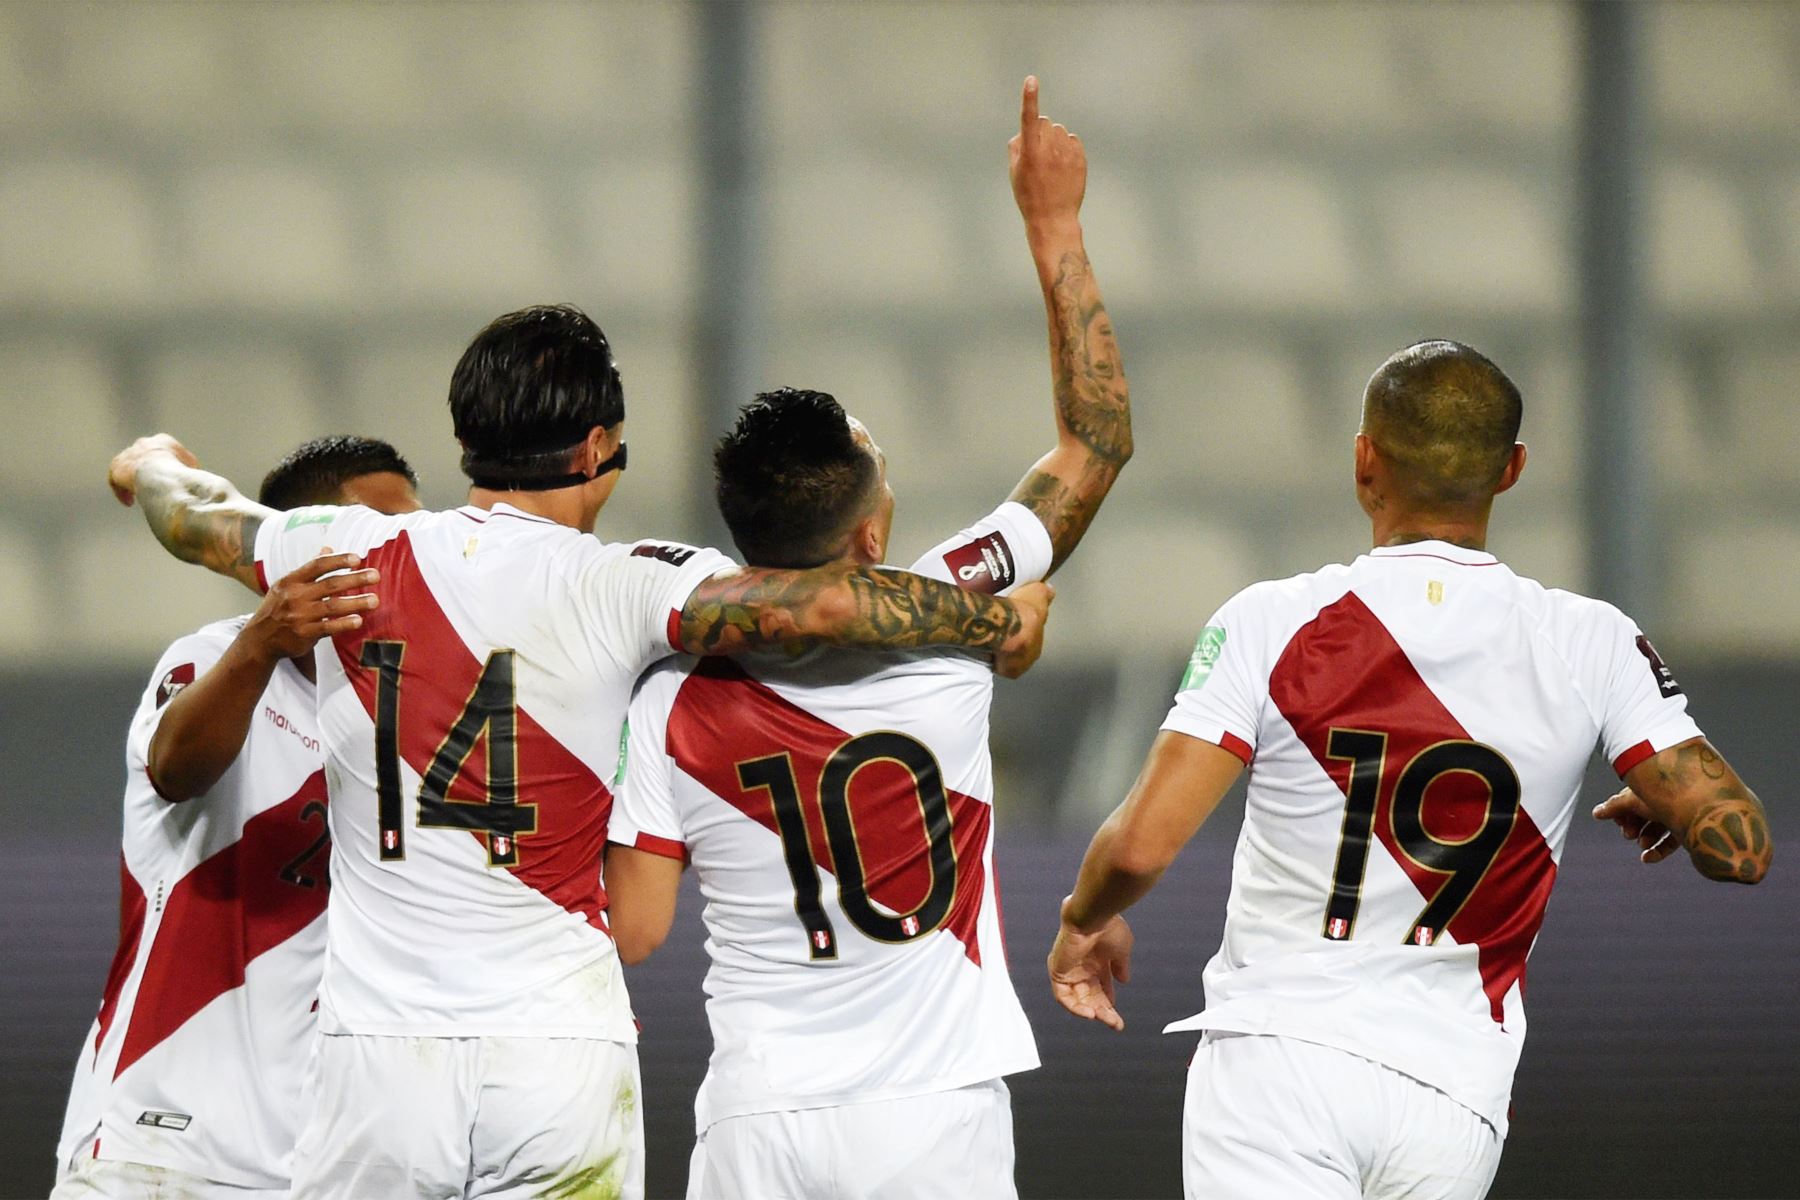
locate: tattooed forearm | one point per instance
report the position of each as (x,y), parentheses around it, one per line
(1692,789)
(868,606)
(201,518)
(1092,401)
(1066,510)
(1728,840)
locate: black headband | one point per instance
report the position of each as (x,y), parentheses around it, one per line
(529,474)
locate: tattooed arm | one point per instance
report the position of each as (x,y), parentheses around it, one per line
(1689,796)
(873,607)
(1093,409)
(199,517)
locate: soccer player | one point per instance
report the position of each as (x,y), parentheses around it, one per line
(478,1039)
(839,811)
(189,1081)
(1418,723)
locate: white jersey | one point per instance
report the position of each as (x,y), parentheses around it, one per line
(839,812)
(1417,725)
(471,727)
(196,1060)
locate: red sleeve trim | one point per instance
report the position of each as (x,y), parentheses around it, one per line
(1632,758)
(262,577)
(667,847)
(1238,746)
(674,630)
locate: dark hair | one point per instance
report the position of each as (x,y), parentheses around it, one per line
(1447,417)
(792,479)
(530,387)
(315,472)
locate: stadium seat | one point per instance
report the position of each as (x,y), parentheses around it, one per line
(77,233)
(143,66)
(363,69)
(238,409)
(866,232)
(126,599)
(1119,221)
(1231,417)
(667,466)
(62,418)
(1505,66)
(1734,577)
(1462,239)
(1725,67)
(278,235)
(1268,235)
(471,233)
(995,409)
(29,634)
(1147,584)
(1552,431)
(1764,416)
(1316,67)
(1541,541)
(1700,252)
(398,391)
(638,226)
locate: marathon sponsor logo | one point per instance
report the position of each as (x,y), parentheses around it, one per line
(983,565)
(675,556)
(1207,650)
(164,1120)
(280,721)
(309,517)
(173,682)
(1665,678)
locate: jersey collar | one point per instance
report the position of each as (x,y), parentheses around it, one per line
(1460,555)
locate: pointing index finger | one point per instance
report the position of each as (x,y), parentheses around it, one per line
(1028,106)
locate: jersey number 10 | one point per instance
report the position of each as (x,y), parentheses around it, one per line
(776,773)
(491,709)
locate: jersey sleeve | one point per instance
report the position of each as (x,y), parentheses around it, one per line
(289,540)
(634,599)
(186,659)
(1642,709)
(1222,692)
(1004,549)
(644,814)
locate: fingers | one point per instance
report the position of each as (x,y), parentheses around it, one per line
(1028,104)
(339,625)
(1619,804)
(1662,847)
(325,564)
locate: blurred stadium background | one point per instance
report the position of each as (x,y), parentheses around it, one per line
(253,223)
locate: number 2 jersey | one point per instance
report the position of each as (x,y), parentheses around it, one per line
(471,727)
(197,1058)
(837,809)
(1417,725)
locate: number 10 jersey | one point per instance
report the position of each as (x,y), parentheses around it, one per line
(1417,725)
(838,811)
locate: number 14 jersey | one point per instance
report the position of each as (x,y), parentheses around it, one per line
(1417,725)
(838,811)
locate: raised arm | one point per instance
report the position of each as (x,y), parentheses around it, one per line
(1688,795)
(873,607)
(1182,782)
(1093,410)
(199,517)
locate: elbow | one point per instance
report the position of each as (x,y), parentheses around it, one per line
(831,613)
(167,782)
(1139,860)
(635,946)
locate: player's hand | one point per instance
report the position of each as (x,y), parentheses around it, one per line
(1084,967)
(1047,165)
(1629,812)
(122,474)
(305,606)
(1022,649)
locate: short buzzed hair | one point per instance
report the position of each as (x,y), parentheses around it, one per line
(1447,418)
(316,471)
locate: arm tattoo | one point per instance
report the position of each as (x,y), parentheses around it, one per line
(872,607)
(1093,406)
(200,518)
(1728,836)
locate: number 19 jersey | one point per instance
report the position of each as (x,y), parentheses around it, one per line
(471,727)
(1416,725)
(838,811)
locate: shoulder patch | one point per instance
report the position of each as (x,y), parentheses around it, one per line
(1665,678)
(303,517)
(1206,652)
(172,683)
(675,556)
(983,565)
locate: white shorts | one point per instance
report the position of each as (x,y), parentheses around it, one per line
(103,1179)
(447,1118)
(1275,1116)
(957,1143)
